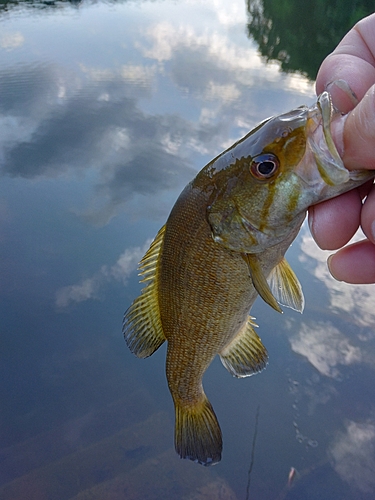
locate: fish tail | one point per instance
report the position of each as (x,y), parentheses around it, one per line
(197,433)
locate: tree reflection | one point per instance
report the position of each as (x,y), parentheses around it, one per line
(6,5)
(298,35)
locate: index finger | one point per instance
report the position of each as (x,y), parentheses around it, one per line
(353,61)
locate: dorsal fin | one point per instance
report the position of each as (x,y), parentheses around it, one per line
(285,286)
(260,282)
(142,328)
(246,354)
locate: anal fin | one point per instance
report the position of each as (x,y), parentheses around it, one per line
(246,354)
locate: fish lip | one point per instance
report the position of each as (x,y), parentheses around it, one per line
(328,111)
(330,177)
(320,141)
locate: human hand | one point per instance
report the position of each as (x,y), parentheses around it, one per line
(334,222)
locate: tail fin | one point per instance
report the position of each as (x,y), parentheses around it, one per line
(198,434)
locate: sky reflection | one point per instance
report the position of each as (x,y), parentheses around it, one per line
(353,452)
(355,300)
(107,110)
(326,344)
(325,347)
(98,116)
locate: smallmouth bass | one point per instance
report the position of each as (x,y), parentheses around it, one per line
(222,246)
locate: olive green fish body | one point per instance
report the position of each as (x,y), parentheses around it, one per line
(198,319)
(222,246)
(194,273)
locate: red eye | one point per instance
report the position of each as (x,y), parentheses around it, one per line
(264,166)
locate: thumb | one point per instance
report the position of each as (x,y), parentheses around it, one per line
(354,134)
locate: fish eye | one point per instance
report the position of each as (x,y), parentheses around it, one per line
(264,166)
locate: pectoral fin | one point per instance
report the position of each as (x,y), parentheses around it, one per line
(285,286)
(142,327)
(260,282)
(246,354)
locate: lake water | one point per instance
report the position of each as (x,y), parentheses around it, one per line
(107,110)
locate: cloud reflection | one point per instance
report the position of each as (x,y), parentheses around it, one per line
(90,288)
(328,345)
(97,127)
(353,455)
(203,62)
(111,119)
(325,347)
(356,300)
(11,40)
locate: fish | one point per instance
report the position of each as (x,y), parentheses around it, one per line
(222,245)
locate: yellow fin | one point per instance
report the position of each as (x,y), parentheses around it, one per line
(285,286)
(197,433)
(246,354)
(142,328)
(260,282)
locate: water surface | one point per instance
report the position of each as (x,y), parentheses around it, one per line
(107,110)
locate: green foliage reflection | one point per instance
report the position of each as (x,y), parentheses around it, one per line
(301,34)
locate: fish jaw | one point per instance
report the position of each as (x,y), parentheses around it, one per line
(330,178)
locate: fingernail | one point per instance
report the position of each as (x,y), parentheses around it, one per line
(329,264)
(344,98)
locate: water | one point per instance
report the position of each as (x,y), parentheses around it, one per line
(107,110)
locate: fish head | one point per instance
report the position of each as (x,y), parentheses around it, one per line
(265,182)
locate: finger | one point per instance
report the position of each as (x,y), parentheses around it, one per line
(358,134)
(334,222)
(368,216)
(352,61)
(354,263)
(343,67)
(366,188)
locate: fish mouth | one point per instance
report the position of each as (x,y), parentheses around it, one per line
(330,165)
(330,175)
